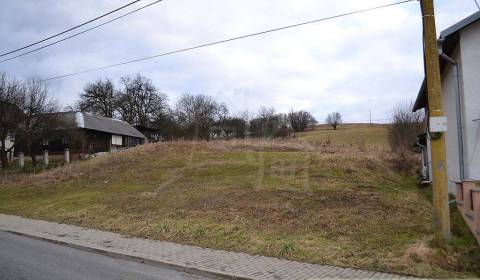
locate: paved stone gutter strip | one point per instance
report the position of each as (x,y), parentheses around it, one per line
(192,259)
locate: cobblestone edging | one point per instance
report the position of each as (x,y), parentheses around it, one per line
(186,258)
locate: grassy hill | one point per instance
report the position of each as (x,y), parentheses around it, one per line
(323,203)
(359,135)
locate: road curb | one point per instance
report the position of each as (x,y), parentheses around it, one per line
(123,256)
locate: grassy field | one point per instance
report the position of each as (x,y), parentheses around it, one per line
(357,135)
(295,199)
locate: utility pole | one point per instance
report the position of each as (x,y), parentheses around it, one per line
(370,116)
(441,210)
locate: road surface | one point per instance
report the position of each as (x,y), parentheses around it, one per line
(25,258)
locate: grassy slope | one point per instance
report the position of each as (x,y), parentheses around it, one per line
(321,204)
(358,135)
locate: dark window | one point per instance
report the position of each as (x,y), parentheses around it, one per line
(471,200)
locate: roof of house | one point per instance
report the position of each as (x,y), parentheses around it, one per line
(447,43)
(104,124)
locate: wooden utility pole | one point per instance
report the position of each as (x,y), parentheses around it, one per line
(441,211)
(370,116)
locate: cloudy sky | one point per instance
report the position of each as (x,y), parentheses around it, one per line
(351,65)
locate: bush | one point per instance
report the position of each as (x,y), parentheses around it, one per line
(406,125)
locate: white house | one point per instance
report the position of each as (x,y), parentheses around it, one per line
(459,54)
(9,142)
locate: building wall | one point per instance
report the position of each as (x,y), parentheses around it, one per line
(117,140)
(449,91)
(8,143)
(470,50)
(97,142)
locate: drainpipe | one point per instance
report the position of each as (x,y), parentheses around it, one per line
(458,107)
(424,148)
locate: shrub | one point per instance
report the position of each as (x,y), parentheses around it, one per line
(406,125)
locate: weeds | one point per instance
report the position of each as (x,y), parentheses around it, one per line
(287,249)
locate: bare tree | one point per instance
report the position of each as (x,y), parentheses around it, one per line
(98,97)
(229,126)
(266,123)
(40,117)
(139,102)
(125,103)
(221,126)
(406,125)
(300,120)
(266,112)
(235,127)
(10,114)
(222,112)
(196,115)
(334,119)
(167,124)
(283,121)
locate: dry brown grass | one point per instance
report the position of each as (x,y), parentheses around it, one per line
(359,135)
(328,204)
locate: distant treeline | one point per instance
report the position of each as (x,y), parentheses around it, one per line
(28,113)
(137,101)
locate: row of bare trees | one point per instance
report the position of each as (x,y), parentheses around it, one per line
(268,123)
(138,102)
(28,113)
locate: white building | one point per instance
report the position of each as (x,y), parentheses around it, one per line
(459,54)
(9,142)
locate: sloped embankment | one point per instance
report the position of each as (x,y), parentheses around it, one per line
(320,204)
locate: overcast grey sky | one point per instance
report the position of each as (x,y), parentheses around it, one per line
(372,60)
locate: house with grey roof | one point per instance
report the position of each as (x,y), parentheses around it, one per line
(99,134)
(459,55)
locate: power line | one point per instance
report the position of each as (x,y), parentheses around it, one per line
(70,29)
(476,3)
(228,40)
(80,33)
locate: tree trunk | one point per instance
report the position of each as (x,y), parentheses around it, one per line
(31,154)
(3,155)
(34,159)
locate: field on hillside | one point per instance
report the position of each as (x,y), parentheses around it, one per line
(357,135)
(296,199)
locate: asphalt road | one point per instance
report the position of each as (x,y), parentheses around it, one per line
(25,258)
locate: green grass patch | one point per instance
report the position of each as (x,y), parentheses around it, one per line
(337,206)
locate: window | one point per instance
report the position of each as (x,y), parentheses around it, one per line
(117,140)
